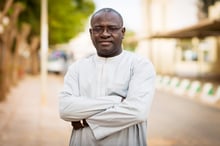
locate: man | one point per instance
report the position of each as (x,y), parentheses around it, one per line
(107,97)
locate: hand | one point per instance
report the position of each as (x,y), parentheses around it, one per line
(79,124)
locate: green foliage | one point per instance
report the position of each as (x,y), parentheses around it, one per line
(66,18)
(129,43)
(31,15)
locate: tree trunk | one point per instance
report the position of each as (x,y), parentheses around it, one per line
(7,43)
(3,88)
(21,48)
(34,45)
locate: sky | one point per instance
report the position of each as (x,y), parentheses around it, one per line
(129,9)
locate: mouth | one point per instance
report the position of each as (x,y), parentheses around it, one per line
(105,43)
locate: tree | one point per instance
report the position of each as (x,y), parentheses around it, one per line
(65,19)
(7,41)
(19,43)
(203,8)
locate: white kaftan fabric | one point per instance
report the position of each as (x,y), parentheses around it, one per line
(93,89)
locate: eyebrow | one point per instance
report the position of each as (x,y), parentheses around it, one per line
(113,25)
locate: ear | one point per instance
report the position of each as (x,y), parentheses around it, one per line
(90,32)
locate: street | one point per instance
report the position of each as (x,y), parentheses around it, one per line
(179,121)
(173,121)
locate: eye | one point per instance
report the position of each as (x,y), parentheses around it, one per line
(109,29)
(97,29)
(113,29)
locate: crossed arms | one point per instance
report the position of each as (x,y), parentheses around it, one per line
(109,114)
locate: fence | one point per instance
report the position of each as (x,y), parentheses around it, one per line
(205,92)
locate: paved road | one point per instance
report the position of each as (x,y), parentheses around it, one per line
(179,121)
(174,121)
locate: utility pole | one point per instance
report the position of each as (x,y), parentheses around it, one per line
(44,50)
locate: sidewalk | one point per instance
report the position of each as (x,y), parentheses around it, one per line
(25,121)
(202,90)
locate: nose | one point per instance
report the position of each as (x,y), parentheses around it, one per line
(105,32)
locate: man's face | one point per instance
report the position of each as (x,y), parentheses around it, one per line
(107,33)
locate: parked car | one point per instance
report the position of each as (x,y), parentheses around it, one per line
(58,61)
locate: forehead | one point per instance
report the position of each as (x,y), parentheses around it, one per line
(106,18)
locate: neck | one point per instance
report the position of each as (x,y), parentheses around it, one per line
(113,54)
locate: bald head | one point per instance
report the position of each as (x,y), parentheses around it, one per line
(107,10)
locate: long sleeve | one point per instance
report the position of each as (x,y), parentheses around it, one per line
(134,109)
(73,106)
(93,89)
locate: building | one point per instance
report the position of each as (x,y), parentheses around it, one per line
(181,39)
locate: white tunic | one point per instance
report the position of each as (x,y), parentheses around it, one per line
(93,89)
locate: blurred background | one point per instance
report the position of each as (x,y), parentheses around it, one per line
(39,39)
